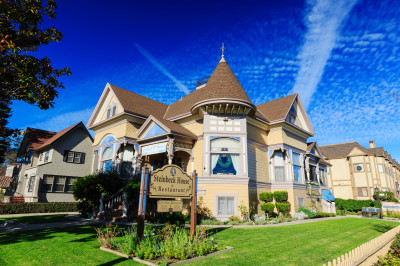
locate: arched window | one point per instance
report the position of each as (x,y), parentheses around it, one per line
(107,159)
(225,154)
(108,139)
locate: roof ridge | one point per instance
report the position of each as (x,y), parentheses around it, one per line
(294,94)
(137,94)
(339,144)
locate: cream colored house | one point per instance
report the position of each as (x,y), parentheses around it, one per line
(356,171)
(238,149)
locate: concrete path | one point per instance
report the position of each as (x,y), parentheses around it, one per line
(77,221)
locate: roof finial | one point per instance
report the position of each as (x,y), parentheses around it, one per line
(223,50)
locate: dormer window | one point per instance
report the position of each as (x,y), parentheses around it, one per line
(111,111)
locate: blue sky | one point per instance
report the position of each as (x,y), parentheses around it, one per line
(340,56)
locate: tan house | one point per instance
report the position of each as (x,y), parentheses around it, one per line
(356,171)
(238,149)
(51,161)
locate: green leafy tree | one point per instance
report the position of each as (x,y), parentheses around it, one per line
(23,76)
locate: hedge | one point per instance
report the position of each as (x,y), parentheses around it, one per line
(15,208)
(354,205)
(266,196)
(281,196)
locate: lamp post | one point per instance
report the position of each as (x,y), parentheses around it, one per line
(379,202)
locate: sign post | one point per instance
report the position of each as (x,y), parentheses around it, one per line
(193,207)
(142,202)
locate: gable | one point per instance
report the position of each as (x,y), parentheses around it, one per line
(298,116)
(109,106)
(356,152)
(153,130)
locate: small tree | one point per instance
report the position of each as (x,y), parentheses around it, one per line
(246,212)
(282,204)
(267,207)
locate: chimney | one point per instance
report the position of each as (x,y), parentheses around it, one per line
(371,144)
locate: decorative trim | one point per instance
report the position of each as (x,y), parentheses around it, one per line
(223,180)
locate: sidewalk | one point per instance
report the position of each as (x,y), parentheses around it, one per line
(34,214)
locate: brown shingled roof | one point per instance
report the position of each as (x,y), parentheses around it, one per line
(277,109)
(138,104)
(37,137)
(341,150)
(377,151)
(57,136)
(176,128)
(222,84)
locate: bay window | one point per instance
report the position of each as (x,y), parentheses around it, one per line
(296,167)
(225,156)
(279,166)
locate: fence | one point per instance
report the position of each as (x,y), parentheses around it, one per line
(363,252)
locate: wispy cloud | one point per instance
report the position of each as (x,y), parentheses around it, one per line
(162,69)
(62,121)
(323,22)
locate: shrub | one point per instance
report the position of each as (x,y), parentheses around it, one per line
(310,212)
(15,208)
(354,205)
(267,207)
(266,196)
(234,219)
(283,207)
(176,218)
(132,189)
(281,196)
(300,216)
(393,256)
(385,196)
(89,188)
(324,214)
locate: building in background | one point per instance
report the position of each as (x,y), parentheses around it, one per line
(51,161)
(238,149)
(356,170)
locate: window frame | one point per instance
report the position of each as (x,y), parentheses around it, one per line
(70,156)
(216,205)
(283,166)
(355,165)
(53,184)
(46,156)
(380,169)
(228,152)
(299,165)
(362,189)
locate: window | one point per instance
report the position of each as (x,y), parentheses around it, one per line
(111,111)
(107,159)
(362,192)
(224,123)
(313,173)
(368,167)
(59,184)
(41,156)
(292,116)
(31,183)
(47,184)
(300,202)
(358,167)
(296,167)
(380,168)
(225,159)
(279,166)
(323,177)
(226,206)
(46,156)
(74,157)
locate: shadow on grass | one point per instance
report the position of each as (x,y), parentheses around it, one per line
(26,236)
(382,228)
(113,262)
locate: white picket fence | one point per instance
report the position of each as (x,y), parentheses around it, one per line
(361,253)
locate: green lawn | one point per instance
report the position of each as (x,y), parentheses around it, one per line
(38,219)
(305,244)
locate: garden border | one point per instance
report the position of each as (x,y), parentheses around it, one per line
(175,263)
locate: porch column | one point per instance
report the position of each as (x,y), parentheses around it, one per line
(170,150)
(307,167)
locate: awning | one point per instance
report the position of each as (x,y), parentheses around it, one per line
(327,195)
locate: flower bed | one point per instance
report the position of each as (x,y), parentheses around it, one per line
(163,245)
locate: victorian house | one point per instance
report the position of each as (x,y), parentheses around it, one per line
(238,149)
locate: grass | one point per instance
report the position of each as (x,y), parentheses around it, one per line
(38,219)
(304,244)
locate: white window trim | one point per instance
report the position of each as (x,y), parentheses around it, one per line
(235,205)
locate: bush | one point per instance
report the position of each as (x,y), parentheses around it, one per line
(267,207)
(310,212)
(281,196)
(300,216)
(88,189)
(393,256)
(354,205)
(324,214)
(387,196)
(15,208)
(266,196)
(283,207)
(176,218)
(234,219)
(132,189)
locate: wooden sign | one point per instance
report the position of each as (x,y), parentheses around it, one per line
(170,181)
(169,206)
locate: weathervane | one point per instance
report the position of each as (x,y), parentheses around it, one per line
(223,50)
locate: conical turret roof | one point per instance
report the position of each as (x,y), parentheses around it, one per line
(221,87)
